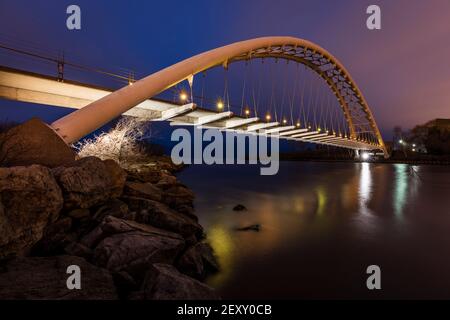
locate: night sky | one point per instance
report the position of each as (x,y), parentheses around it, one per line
(402,70)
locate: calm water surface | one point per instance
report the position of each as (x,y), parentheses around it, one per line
(322,224)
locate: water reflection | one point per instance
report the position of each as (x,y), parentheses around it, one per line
(406,185)
(222,241)
(400,188)
(321,200)
(365,188)
(316,215)
(366,220)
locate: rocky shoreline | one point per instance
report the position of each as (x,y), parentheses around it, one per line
(131,231)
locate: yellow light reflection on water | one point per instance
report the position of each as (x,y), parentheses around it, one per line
(321,200)
(221,240)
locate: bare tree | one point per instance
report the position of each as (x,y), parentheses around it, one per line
(121,143)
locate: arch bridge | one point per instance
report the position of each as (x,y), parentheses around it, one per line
(95,110)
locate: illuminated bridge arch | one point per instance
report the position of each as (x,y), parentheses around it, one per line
(354,106)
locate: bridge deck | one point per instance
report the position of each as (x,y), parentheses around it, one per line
(30,87)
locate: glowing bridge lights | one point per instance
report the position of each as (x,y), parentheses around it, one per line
(183,96)
(365,156)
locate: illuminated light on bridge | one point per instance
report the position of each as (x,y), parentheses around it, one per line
(183,96)
(365,156)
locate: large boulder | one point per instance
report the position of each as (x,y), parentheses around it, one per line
(122,245)
(46,278)
(30,199)
(34,142)
(90,181)
(165,282)
(159,215)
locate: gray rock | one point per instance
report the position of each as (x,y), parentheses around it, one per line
(166,181)
(253,227)
(159,215)
(90,181)
(45,278)
(178,195)
(198,260)
(113,207)
(239,207)
(79,214)
(144,174)
(30,200)
(165,282)
(56,236)
(121,245)
(79,250)
(145,190)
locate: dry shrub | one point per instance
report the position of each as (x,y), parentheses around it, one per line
(121,143)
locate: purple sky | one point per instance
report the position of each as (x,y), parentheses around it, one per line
(403,69)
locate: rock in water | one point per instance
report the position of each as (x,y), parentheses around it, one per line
(30,199)
(34,142)
(90,181)
(46,278)
(239,207)
(164,282)
(253,227)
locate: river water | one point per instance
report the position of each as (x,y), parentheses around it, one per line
(322,225)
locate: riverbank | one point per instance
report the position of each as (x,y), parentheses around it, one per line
(132,232)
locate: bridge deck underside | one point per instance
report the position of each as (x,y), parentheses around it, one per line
(27,87)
